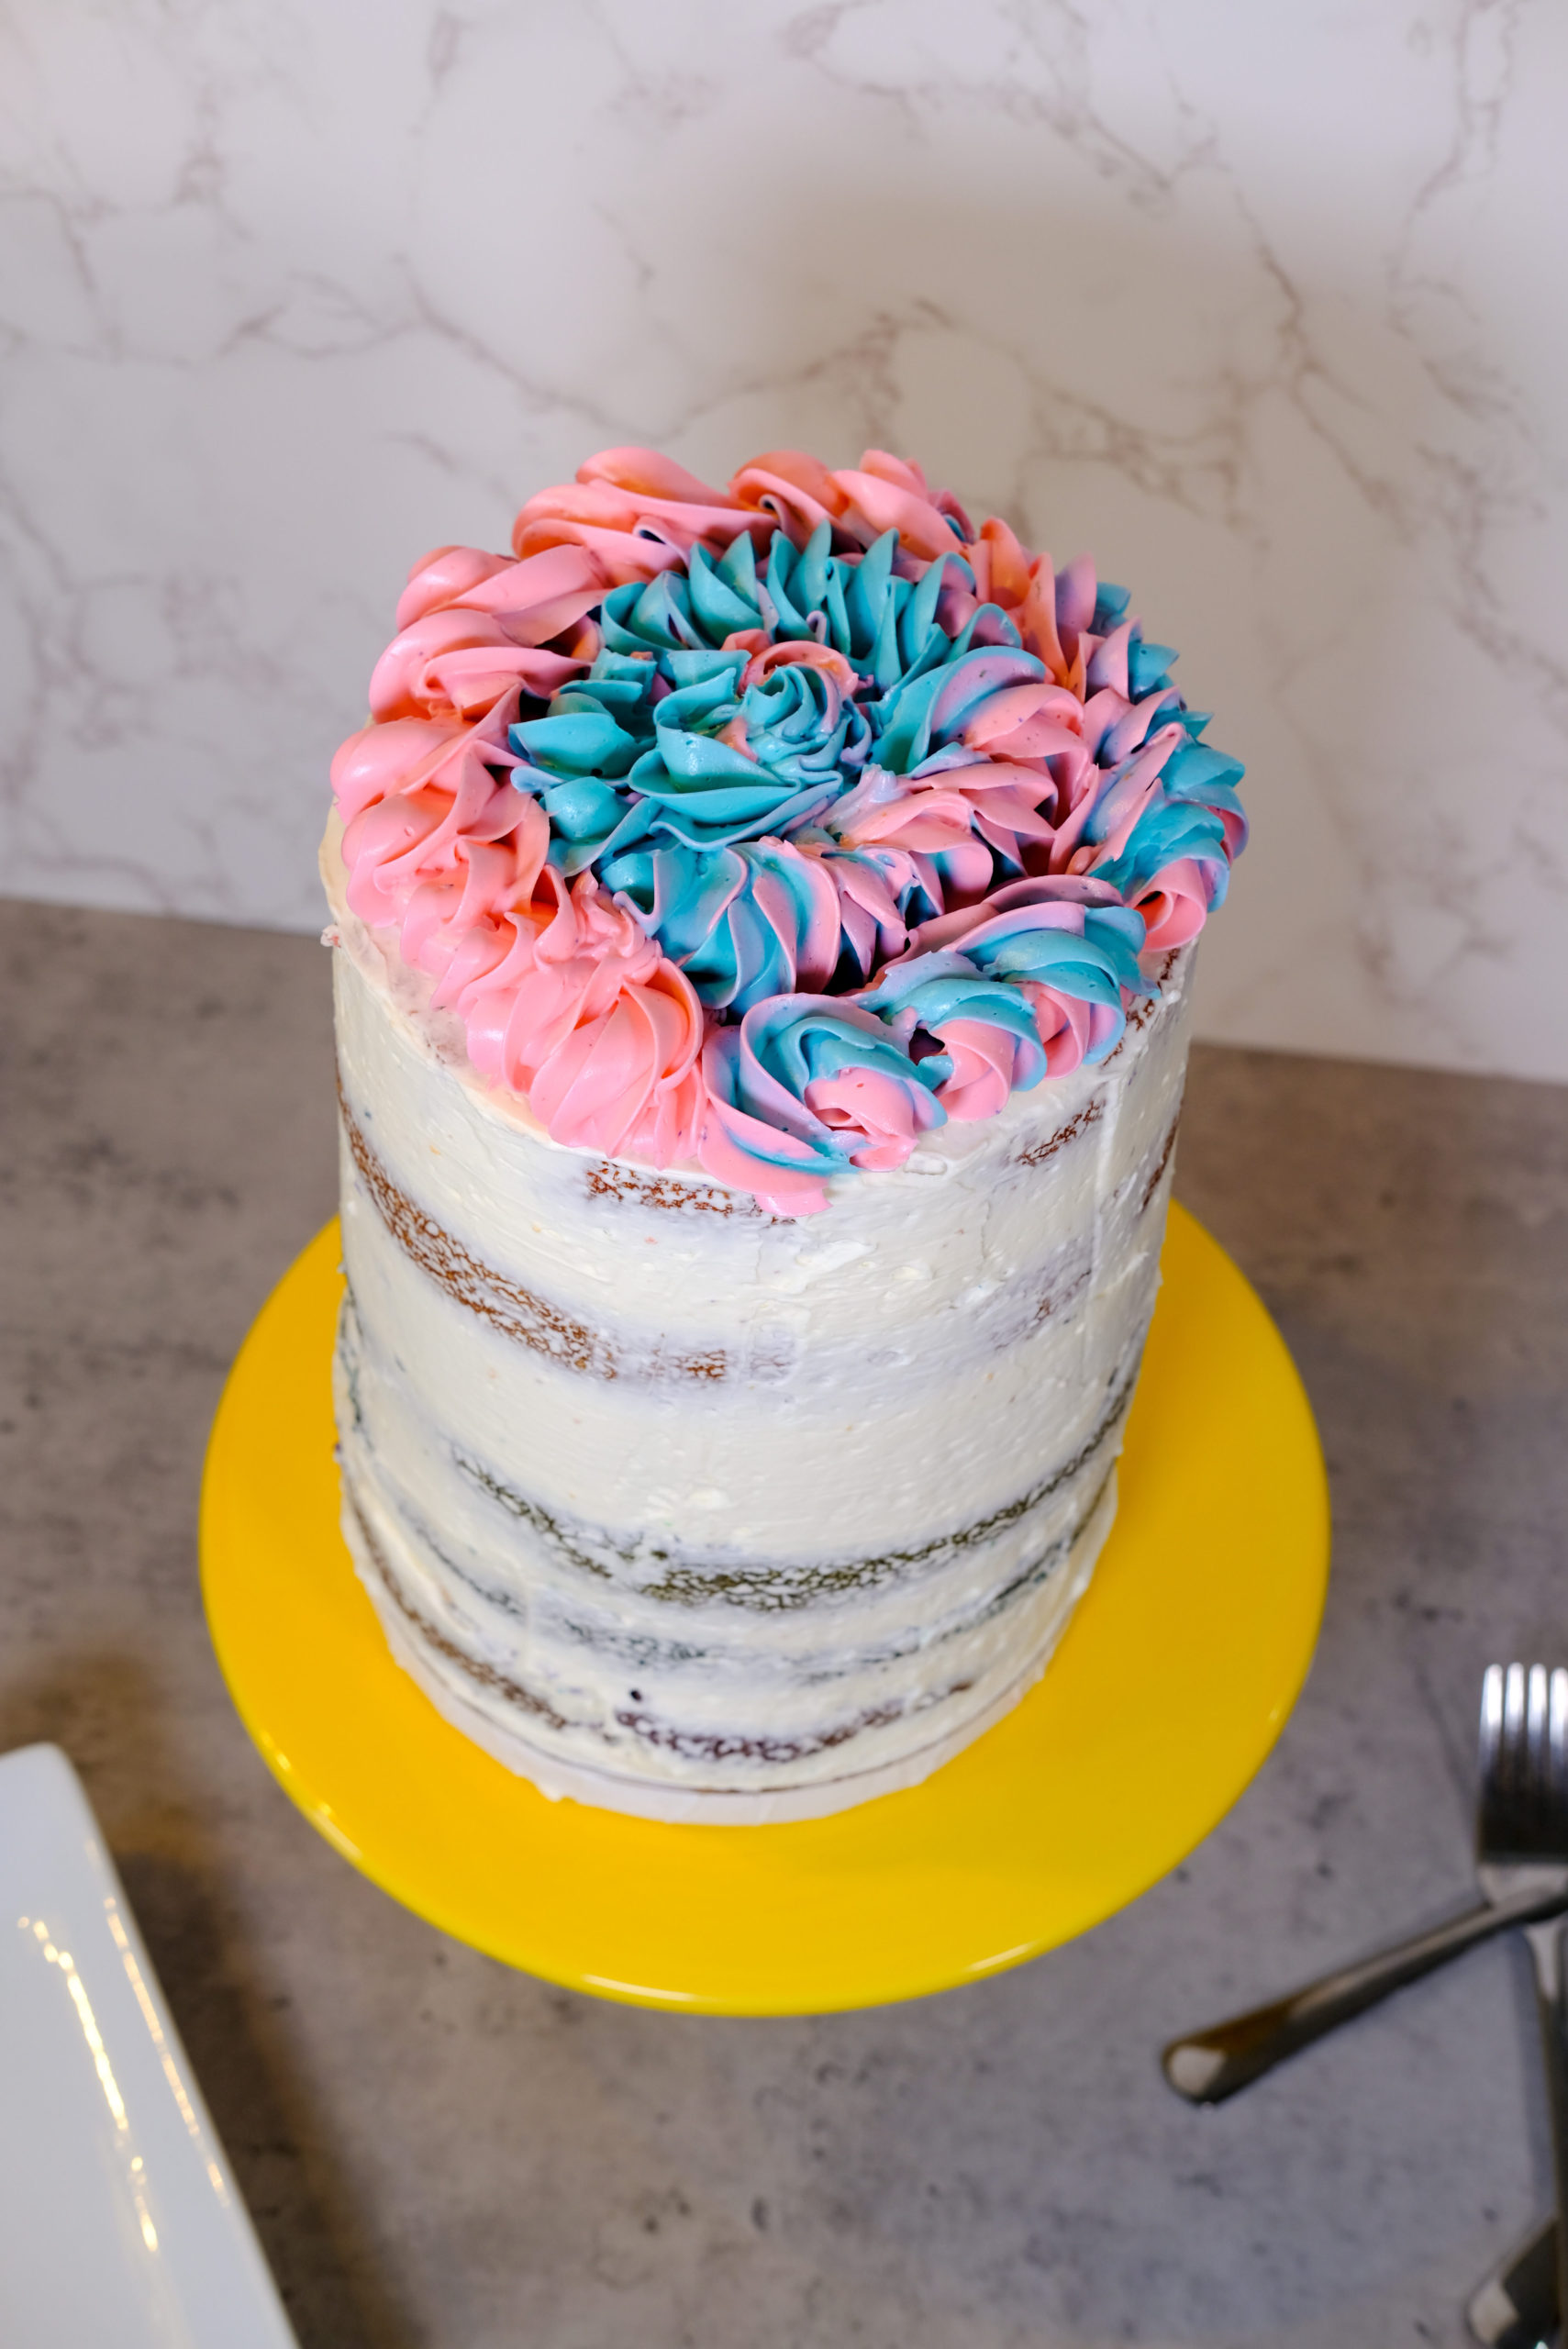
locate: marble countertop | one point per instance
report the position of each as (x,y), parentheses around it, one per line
(439,2152)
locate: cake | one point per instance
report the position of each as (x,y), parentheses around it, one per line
(763,924)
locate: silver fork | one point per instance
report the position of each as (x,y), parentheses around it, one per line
(1522,1832)
(1209,2066)
(1521,1836)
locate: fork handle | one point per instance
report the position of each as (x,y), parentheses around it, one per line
(1212,2065)
(1516,2308)
(1546,1954)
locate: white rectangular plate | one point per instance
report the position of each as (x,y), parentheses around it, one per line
(118,2218)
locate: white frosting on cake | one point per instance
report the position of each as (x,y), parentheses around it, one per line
(688,1511)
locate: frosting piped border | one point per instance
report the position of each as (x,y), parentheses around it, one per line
(761,830)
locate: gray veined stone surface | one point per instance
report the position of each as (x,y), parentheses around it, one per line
(1259,305)
(440,2153)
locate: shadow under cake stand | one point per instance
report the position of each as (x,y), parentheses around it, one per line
(1172,1683)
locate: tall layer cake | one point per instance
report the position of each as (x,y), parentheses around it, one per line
(763,923)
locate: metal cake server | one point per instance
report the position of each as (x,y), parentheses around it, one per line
(1207,2067)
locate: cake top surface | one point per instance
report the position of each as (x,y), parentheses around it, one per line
(764,829)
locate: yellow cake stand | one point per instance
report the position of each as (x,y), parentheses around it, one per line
(1168,1691)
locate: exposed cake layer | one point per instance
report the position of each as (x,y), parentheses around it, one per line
(507,1718)
(680,1508)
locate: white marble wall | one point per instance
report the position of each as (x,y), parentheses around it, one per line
(1262,305)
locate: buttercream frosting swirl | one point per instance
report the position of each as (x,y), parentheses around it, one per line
(767,827)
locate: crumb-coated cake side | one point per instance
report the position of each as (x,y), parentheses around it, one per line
(764,918)
(680,1508)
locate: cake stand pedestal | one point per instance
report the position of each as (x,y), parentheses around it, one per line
(1170,1685)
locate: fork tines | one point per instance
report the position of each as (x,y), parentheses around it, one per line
(1524,1762)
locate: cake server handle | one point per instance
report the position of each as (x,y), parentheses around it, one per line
(1209,2066)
